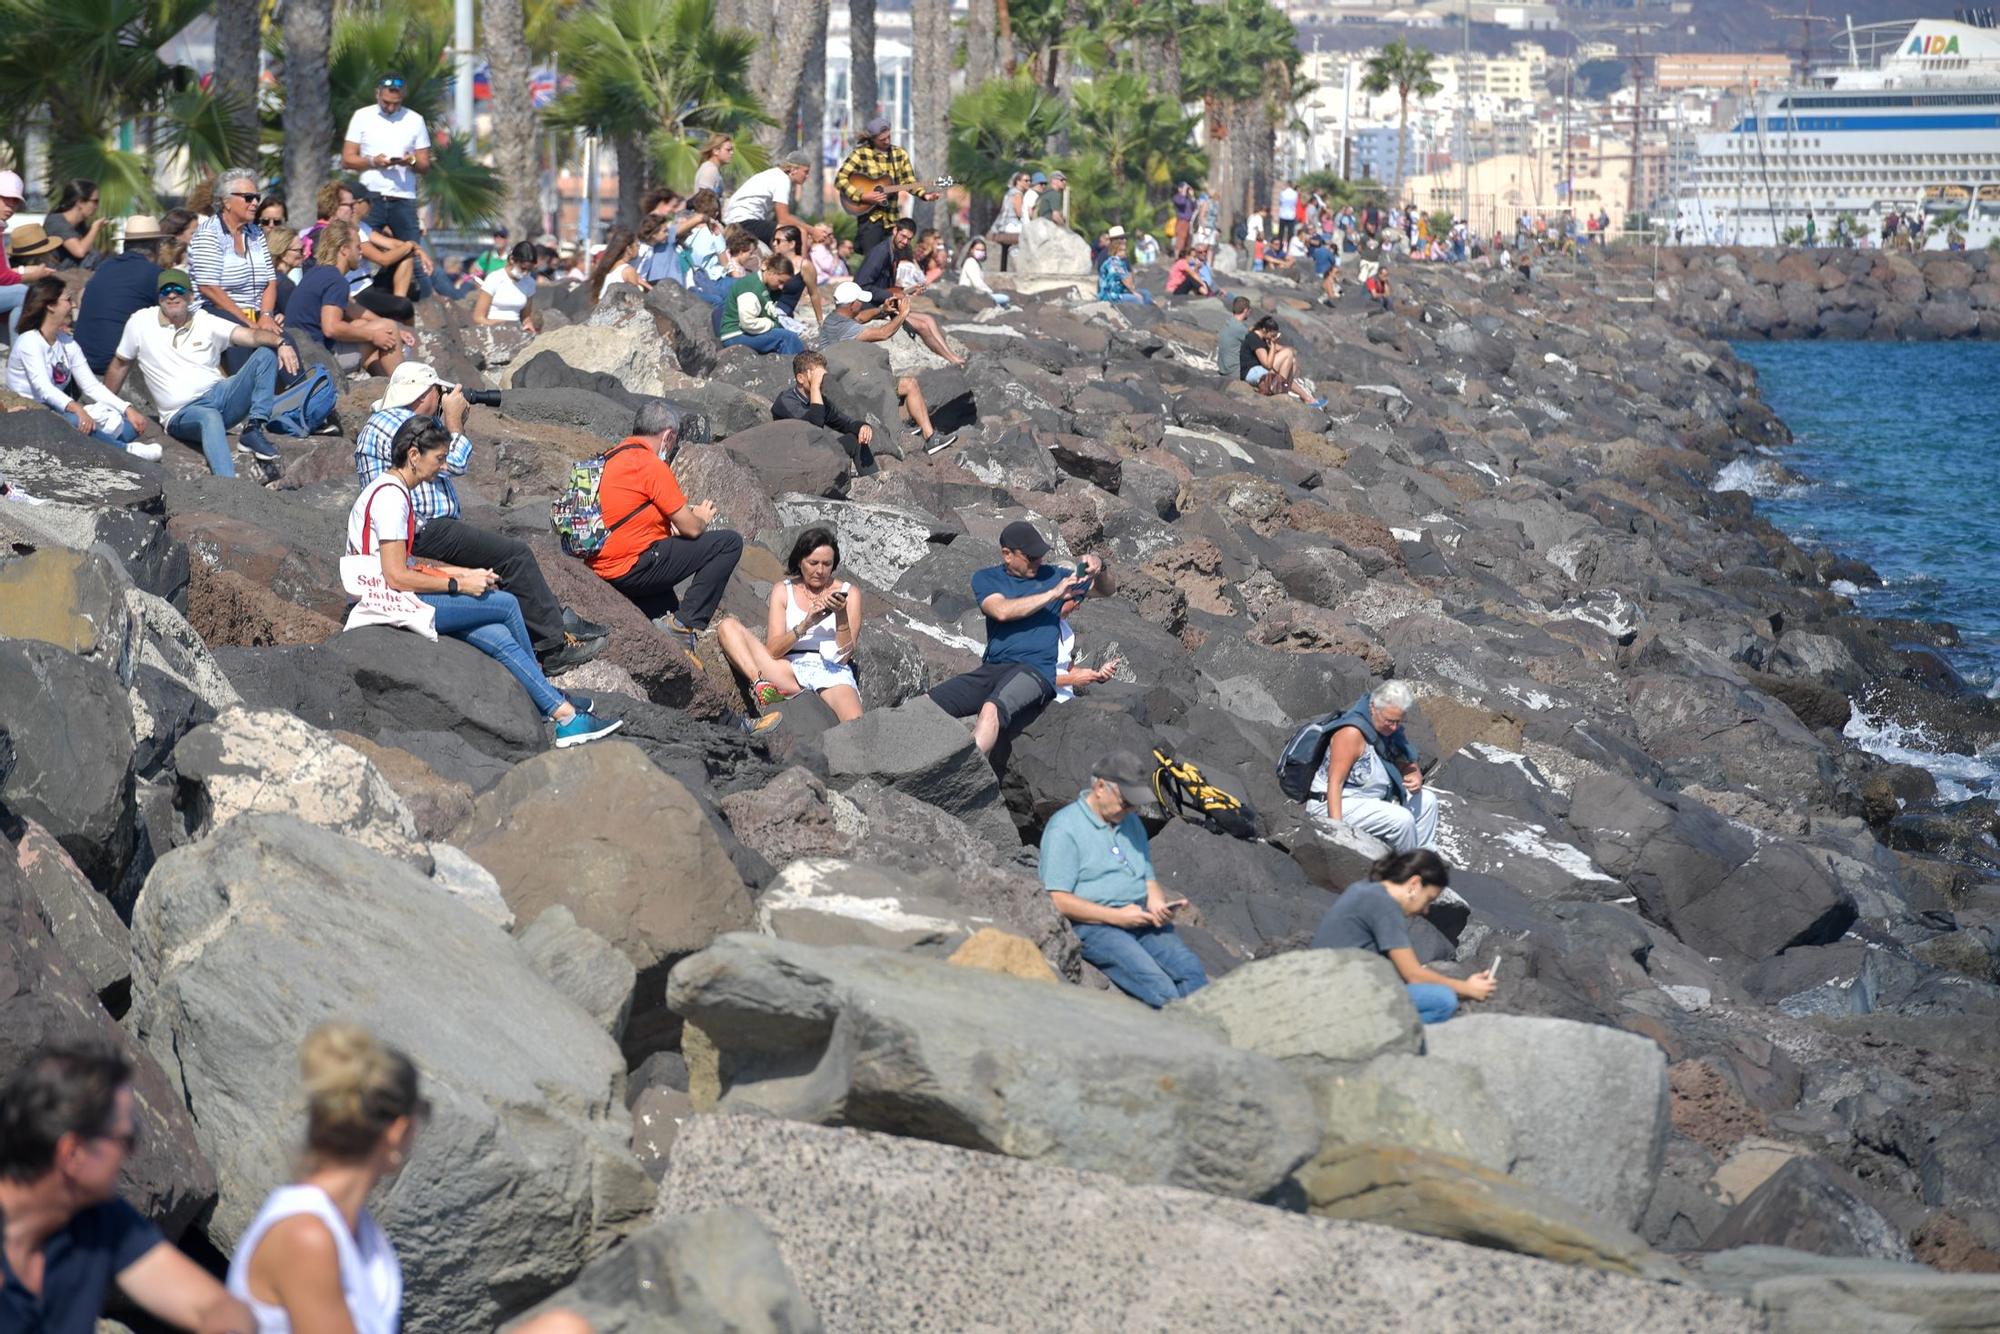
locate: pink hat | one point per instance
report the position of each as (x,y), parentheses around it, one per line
(11,187)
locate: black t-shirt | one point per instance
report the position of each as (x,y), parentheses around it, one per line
(79,1264)
(122,285)
(1246,356)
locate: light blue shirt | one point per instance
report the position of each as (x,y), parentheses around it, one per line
(1084,856)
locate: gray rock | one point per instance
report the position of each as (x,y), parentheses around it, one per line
(894,1234)
(1800,1293)
(915,1046)
(524,1172)
(583,966)
(790,456)
(267,762)
(919,749)
(1437,1106)
(714,1272)
(877,542)
(1811,1205)
(82,921)
(1315,1011)
(657,1115)
(1588,1104)
(71,726)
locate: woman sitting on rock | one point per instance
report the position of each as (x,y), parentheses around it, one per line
(470,604)
(803,285)
(1374,915)
(617,264)
(46,362)
(314,1258)
(809,635)
(507,295)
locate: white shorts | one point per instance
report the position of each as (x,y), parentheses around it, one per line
(816,673)
(1255,373)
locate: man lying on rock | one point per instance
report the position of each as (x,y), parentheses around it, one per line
(1021,598)
(1374,915)
(1098,870)
(1372,781)
(561,639)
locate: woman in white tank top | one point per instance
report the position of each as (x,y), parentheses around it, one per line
(813,624)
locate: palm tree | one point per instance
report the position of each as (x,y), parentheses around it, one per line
(654,73)
(110,71)
(514,125)
(238,28)
(1407,69)
(804,25)
(864,88)
(308,41)
(1132,145)
(1239,57)
(996,129)
(930,93)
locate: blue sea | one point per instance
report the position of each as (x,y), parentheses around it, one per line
(1899,446)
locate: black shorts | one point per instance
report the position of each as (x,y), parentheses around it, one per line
(1017,691)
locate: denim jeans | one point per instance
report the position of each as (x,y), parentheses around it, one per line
(1148,963)
(1435,1003)
(398,217)
(493,625)
(712,290)
(244,397)
(11,298)
(782,341)
(1131,298)
(120,435)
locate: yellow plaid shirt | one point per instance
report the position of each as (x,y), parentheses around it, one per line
(874,163)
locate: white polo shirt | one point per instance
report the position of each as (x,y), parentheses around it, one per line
(758,197)
(400,135)
(180,364)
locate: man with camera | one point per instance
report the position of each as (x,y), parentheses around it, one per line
(1097,867)
(561,638)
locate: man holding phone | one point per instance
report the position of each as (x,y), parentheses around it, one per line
(1020,598)
(1098,869)
(390,146)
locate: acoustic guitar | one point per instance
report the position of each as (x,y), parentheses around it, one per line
(868,185)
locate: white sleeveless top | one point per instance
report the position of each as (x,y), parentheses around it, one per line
(820,641)
(371,1278)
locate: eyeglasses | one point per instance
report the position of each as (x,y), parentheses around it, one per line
(173,289)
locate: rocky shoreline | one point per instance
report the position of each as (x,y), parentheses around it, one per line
(1754,293)
(1750,972)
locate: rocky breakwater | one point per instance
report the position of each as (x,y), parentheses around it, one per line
(1755,294)
(1740,1068)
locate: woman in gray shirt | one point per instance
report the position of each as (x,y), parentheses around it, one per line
(1373,915)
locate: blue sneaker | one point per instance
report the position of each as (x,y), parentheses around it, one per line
(252,441)
(584,728)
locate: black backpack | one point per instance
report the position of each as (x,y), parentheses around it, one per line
(1182,790)
(1305,755)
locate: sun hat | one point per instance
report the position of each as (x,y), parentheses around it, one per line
(795,159)
(875,126)
(1115,234)
(142,227)
(1131,775)
(30,241)
(406,385)
(1039,178)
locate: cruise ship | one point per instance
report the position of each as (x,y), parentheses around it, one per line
(1906,120)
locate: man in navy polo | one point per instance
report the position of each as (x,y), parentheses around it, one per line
(1021,598)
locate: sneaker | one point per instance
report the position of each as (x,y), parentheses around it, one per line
(766,695)
(752,726)
(670,624)
(144,449)
(253,442)
(584,728)
(579,701)
(938,444)
(1320,403)
(331,426)
(581,628)
(572,652)
(270,470)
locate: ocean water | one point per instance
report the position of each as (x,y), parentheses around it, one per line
(1899,448)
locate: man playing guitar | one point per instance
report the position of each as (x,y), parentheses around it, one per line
(876,172)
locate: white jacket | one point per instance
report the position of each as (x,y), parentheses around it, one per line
(39,370)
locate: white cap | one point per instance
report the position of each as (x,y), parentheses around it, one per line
(406,385)
(11,187)
(1115,234)
(848,293)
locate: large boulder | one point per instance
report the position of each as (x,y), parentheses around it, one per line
(1800,1293)
(85,926)
(792,456)
(1315,1011)
(1588,1105)
(71,725)
(603,832)
(244,942)
(628,352)
(583,966)
(916,1046)
(1408,1101)
(267,762)
(888,1233)
(1810,1205)
(919,749)
(1046,250)
(717,1270)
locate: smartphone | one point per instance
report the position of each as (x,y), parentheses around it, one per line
(1082,588)
(1175,905)
(1493,969)
(839,598)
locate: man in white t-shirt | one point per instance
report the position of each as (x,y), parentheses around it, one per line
(763,203)
(390,146)
(180,350)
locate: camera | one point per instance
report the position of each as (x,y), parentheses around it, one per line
(478,398)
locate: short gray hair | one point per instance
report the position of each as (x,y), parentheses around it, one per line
(657,417)
(1393,695)
(229,178)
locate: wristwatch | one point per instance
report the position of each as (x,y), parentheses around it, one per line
(451,586)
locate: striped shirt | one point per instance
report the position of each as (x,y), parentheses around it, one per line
(435,499)
(212,261)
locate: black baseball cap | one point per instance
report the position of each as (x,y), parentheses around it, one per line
(1023,537)
(1132,775)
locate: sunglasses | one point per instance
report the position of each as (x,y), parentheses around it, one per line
(395,85)
(173,289)
(249,196)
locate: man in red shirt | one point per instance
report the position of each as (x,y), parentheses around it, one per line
(657,540)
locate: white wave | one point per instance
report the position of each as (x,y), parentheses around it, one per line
(1758,478)
(1844,587)
(1958,776)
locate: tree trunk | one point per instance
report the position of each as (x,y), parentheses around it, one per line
(309,129)
(1162,58)
(1218,144)
(864,91)
(633,171)
(812,117)
(514,123)
(1062,73)
(930,97)
(755,17)
(982,42)
(1402,145)
(804,26)
(1003,24)
(238,49)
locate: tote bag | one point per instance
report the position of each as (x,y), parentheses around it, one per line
(375,603)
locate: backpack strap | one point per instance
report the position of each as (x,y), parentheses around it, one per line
(368,509)
(610,454)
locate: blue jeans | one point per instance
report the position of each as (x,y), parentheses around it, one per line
(777,340)
(120,435)
(1133,298)
(712,290)
(398,217)
(243,397)
(1435,1003)
(1148,963)
(493,625)
(11,298)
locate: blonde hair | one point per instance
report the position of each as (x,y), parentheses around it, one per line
(356,1088)
(279,240)
(714,144)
